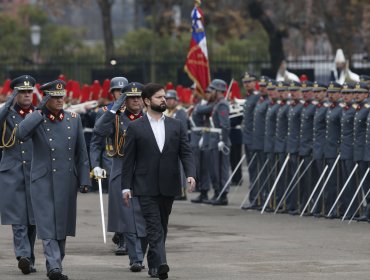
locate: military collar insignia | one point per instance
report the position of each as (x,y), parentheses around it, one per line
(132,116)
(57,117)
(23,112)
(333,105)
(306,104)
(272,103)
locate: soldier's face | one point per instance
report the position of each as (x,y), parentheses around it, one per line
(272,94)
(171,103)
(24,98)
(320,95)
(249,85)
(308,95)
(297,94)
(116,93)
(334,97)
(55,103)
(285,94)
(263,90)
(360,97)
(347,97)
(134,104)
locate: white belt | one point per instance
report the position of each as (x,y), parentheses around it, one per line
(88,129)
(237,127)
(207,129)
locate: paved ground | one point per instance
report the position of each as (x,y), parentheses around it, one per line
(215,243)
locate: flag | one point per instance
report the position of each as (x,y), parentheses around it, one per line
(196,65)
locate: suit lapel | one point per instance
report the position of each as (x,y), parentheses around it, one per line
(148,127)
(167,132)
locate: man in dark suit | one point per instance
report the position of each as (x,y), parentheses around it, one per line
(153,146)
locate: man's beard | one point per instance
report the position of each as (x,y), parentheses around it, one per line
(159,108)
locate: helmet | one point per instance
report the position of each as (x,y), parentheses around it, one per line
(118,83)
(218,85)
(171,94)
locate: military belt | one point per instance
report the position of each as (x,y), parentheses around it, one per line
(207,129)
(88,129)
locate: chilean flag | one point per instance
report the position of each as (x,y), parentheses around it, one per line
(196,65)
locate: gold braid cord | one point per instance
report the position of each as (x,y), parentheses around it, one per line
(11,141)
(119,140)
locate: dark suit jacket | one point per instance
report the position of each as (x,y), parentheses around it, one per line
(146,170)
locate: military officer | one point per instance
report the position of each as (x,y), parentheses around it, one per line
(359,136)
(281,134)
(126,220)
(251,99)
(306,142)
(346,148)
(175,110)
(332,142)
(15,165)
(294,125)
(366,213)
(101,152)
(259,121)
(218,142)
(270,128)
(59,168)
(319,130)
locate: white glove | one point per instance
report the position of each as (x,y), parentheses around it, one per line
(99,172)
(221,146)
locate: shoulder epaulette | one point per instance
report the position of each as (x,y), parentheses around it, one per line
(367,105)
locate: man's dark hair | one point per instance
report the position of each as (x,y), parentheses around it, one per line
(150,89)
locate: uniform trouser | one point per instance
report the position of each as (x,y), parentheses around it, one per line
(292,199)
(331,189)
(219,165)
(271,173)
(307,183)
(252,169)
(156,211)
(361,170)
(135,251)
(346,168)
(257,192)
(281,184)
(24,237)
(235,156)
(202,162)
(366,187)
(317,169)
(54,251)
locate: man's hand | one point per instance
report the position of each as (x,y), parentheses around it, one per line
(119,102)
(192,183)
(99,172)
(84,189)
(9,102)
(126,197)
(43,102)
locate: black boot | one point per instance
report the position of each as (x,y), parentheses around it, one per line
(222,201)
(122,248)
(201,198)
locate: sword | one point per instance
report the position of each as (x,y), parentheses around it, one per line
(357,191)
(290,183)
(358,208)
(231,176)
(254,183)
(276,182)
(325,183)
(265,182)
(314,190)
(102,206)
(344,187)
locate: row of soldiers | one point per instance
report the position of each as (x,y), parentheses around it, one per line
(307,147)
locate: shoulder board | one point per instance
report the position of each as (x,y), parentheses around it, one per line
(342,104)
(354,106)
(367,105)
(327,104)
(73,115)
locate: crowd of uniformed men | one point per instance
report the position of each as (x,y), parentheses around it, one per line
(307,148)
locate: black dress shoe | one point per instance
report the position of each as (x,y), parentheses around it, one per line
(55,274)
(24,264)
(163,270)
(268,210)
(220,202)
(282,211)
(136,267)
(210,201)
(362,218)
(201,198)
(307,214)
(294,212)
(249,206)
(115,238)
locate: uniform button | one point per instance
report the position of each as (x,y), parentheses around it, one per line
(53,149)
(53,159)
(69,159)
(21,142)
(13,117)
(69,148)
(54,170)
(16,124)
(50,139)
(44,121)
(69,137)
(48,129)
(24,162)
(23,152)
(69,127)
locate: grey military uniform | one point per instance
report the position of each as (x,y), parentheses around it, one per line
(305,151)
(247,129)
(259,121)
(294,125)
(15,200)
(281,134)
